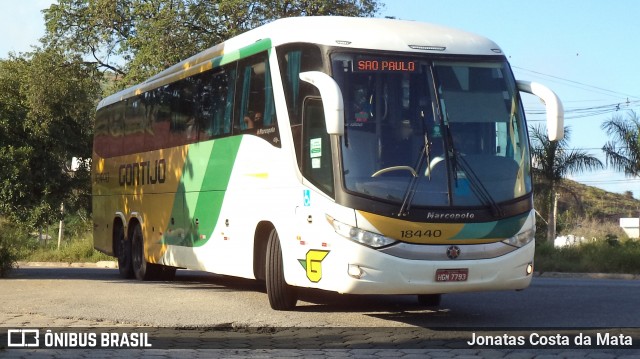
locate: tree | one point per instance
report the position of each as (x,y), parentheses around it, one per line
(47,101)
(137,38)
(623,151)
(553,161)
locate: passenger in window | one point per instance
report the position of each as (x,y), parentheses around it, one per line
(257,120)
(249,120)
(253,120)
(190,130)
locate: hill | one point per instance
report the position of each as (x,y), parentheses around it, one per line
(595,203)
(587,211)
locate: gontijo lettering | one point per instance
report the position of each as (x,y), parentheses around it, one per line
(141,173)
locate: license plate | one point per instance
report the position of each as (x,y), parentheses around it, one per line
(452,275)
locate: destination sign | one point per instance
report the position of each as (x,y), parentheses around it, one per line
(384,65)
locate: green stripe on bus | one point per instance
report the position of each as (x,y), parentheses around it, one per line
(258,46)
(201,191)
(503,228)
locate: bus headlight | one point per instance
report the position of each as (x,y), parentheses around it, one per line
(521,238)
(361,236)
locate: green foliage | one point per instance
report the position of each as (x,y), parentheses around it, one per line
(152,35)
(8,255)
(578,202)
(18,244)
(600,256)
(553,161)
(48,118)
(9,247)
(79,249)
(606,248)
(623,150)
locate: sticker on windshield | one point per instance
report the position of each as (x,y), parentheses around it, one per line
(315,147)
(315,152)
(436,131)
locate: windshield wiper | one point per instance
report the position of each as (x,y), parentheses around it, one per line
(413,184)
(477,187)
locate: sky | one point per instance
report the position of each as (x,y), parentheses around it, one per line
(585,50)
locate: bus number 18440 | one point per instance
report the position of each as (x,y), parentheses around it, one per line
(421,233)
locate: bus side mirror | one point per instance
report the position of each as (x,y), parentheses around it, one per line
(331,100)
(555,111)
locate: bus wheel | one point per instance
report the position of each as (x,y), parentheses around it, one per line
(281,295)
(429,300)
(124,253)
(140,266)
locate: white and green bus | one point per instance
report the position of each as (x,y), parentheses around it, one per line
(354,155)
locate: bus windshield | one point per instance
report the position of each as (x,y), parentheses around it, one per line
(424,132)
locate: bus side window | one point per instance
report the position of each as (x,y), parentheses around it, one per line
(116,128)
(256,108)
(316,146)
(255,111)
(293,60)
(182,125)
(134,125)
(216,103)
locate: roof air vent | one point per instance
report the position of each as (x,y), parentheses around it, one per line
(428,48)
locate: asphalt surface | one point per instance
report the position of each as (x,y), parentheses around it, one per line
(322,327)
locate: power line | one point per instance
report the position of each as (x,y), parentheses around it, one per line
(581,112)
(593,88)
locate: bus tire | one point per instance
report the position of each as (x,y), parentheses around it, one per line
(281,295)
(429,300)
(141,268)
(125,267)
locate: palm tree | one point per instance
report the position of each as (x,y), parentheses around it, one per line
(552,162)
(623,152)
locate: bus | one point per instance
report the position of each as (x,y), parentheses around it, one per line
(352,155)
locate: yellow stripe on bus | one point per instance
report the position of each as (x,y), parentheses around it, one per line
(420,232)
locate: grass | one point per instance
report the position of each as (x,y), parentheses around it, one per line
(600,256)
(76,250)
(17,244)
(605,249)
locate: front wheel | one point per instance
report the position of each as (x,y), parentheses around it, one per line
(281,295)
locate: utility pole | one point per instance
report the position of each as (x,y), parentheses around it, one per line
(61,229)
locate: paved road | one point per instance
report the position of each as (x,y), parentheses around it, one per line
(93,297)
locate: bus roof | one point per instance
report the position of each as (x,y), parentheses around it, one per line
(338,31)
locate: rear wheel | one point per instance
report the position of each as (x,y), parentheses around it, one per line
(140,267)
(281,295)
(124,253)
